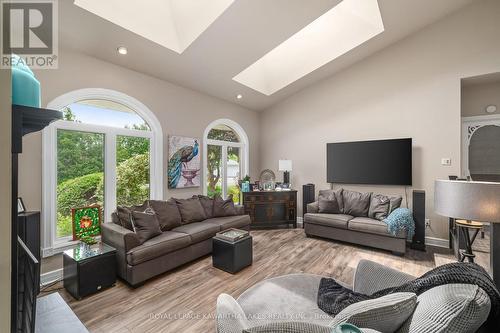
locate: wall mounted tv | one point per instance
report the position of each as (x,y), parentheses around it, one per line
(381,162)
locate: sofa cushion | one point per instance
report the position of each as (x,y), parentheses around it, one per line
(224,207)
(379,207)
(449,308)
(158,246)
(191,210)
(329,205)
(145,224)
(372,226)
(333,194)
(208,205)
(227,222)
(198,231)
(395,203)
(356,203)
(329,220)
(167,213)
(123,214)
(385,314)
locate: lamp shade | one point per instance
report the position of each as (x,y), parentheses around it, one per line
(477,201)
(285,165)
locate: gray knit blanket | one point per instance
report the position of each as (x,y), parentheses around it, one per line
(333,298)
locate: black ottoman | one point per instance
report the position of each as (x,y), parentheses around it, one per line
(232,257)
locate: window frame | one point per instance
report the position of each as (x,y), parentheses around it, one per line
(51,243)
(243,145)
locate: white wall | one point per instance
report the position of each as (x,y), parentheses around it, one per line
(410,89)
(475,98)
(5,194)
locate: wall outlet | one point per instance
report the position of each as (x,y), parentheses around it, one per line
(446,161)
(427,223)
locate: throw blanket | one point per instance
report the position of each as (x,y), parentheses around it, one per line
(401,219)
(333,298)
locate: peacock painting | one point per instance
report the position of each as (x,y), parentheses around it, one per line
(183,162)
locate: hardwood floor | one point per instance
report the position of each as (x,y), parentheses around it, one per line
(183,300)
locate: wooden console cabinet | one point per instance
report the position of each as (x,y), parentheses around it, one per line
(271,208)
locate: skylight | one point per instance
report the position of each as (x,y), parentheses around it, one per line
(341,29)
(174,24)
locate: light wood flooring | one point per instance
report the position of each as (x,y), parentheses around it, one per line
(183,300)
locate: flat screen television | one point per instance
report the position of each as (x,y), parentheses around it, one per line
(380,162)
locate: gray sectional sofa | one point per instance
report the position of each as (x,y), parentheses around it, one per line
(187,227)
(355,218)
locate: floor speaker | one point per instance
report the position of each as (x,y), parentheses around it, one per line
(418,242)
(308,196)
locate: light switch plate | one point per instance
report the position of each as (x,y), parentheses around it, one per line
(446,161)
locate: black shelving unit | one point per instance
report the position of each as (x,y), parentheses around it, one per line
(25,120)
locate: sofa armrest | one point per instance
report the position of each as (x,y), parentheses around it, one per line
(119,237)
(240,209)
(313,207)
(230,317)
(371,277)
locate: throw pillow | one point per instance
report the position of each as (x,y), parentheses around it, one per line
(400,222)
(224,207)
(167,213)
(395,203)
(191,210)
(123,214)
(379,207)
(145,224)
(330,194)
(328,206)
(208,205)
(449,308)
(385,314)
(356,203)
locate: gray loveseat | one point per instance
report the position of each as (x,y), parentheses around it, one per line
(357,218)
(456,308)
(185,235)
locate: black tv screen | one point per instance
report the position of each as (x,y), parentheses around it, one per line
(381,162)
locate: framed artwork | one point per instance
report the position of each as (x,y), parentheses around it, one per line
(86,221)
(20,206)
(183,162)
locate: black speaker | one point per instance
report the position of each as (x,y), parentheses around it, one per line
(418,242)
(308,196)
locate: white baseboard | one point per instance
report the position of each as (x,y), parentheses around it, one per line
(300,222)
(437,242)
(51,276)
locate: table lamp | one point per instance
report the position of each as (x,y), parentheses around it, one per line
(473,201)
(286,167)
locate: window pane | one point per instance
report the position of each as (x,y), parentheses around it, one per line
(233,172)
(104,113)
(223,133)
(80,170)
(214,170)
(132,170)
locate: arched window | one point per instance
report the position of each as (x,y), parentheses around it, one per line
(106,151)
(225,159)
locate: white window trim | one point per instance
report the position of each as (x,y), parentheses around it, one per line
(243,144)
(50,243)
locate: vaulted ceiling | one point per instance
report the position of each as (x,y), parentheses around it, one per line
(222,42)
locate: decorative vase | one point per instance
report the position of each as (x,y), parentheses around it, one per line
(25,87)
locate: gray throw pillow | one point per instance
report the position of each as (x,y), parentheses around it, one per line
(167,213)
(123,214)
(385,314)
(395,203)
(356,203)
(379,207)
(191,210)
(224,207)
(208,205)
(145,224)
(328,206)
(333,194)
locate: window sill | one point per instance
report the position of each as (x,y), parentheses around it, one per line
(60,247)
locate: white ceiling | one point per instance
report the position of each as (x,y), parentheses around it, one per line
(242,34)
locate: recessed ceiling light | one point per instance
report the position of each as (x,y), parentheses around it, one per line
(239,96)
(122,50)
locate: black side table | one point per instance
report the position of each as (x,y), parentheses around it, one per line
(89,269)
(463,227)
(232,257)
